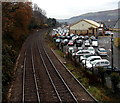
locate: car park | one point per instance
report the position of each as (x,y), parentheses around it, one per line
(91,49)
(87,43)
(101,52)
(95,43)
(98,63)
(90,59)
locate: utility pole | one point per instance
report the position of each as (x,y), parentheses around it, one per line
(112,50)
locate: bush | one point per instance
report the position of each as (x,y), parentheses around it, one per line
(117,42)
(115,78)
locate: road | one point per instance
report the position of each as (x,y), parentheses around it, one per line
(40,76)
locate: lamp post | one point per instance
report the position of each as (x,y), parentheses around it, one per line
(112,50)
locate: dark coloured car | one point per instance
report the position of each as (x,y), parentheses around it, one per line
(79,43)
(92,37)
(86,37)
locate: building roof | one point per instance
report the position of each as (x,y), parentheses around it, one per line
(92,22)
(88,21)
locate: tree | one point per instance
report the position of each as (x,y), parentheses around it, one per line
(16,18)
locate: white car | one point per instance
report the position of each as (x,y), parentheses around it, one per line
(90,59)
(70,49)
(87,43)
(92,50)
(80,53)
(101,52)
(98,63)
(95,43)
(84,57)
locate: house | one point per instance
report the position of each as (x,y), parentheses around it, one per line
(86,27)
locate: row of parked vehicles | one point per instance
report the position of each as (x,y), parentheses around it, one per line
(88,52)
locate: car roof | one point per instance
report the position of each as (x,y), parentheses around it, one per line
(94,57)
(102,60)
(101,48)
(90,48)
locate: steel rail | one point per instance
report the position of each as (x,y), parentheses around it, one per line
(23,96)
(36,85)
(49,76)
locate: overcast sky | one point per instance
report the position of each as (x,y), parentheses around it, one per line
(64,9)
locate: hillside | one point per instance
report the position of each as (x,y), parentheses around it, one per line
(102,16)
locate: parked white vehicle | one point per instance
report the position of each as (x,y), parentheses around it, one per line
(80,53)
(101,52)
(98,63)
(84,57)
(87,43)
(95,43)
(92,50)
(70,49)
(90,59)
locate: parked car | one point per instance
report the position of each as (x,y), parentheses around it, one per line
(101,52)
(98,63)
(80,53)
(70,50)
(90,59)
(79,43)
(86,37)
(69,37)
(84,57)
(95,43)
(58,40)
(108,33)
(65,42)
(87,43)
(71,43)
(91,49)
(92,37)
(79,48)
(81,37)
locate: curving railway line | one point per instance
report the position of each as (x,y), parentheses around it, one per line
(44,77)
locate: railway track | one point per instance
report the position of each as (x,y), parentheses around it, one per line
(43,80)
(30,87)
(64,94)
